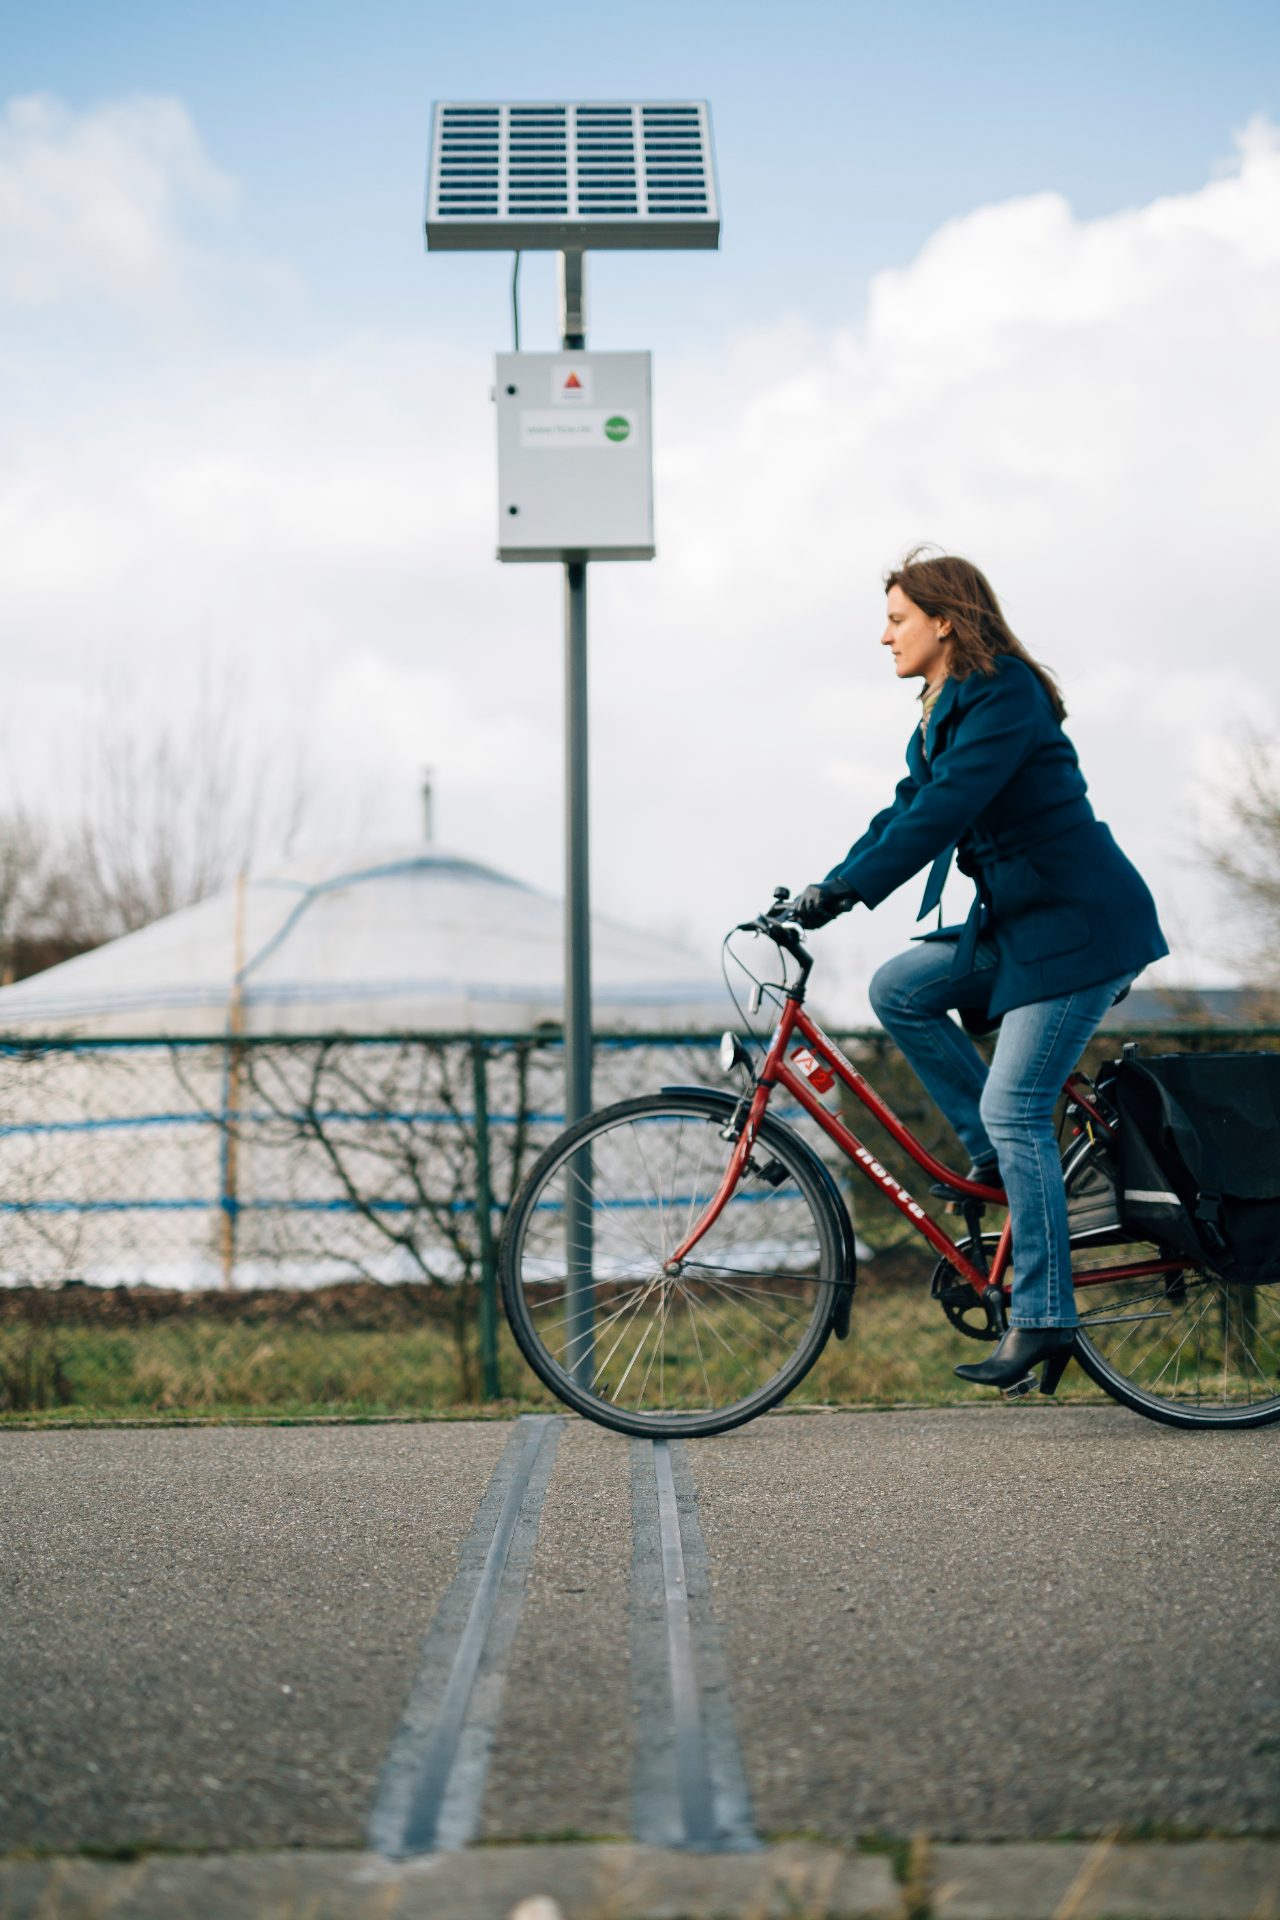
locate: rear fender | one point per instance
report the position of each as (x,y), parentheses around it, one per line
(848,1278)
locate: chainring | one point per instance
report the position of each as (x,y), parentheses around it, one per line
(957,1298)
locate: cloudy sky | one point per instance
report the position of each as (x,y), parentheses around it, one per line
(1003,279)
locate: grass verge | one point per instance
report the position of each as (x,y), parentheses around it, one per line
(368,1353)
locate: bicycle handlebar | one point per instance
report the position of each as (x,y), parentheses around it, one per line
(777,923)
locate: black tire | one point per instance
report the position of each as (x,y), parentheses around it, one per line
(1192,1317)
(787,1321)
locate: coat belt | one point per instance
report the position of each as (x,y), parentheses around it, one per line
(970,933)
(984,849)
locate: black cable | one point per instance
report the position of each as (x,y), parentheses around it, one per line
(515,298)
(774,990)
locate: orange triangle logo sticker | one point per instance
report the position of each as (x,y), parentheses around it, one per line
(573,384)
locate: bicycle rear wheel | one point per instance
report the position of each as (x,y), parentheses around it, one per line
(1187,1348)
(639,1348)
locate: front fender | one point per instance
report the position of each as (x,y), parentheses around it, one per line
(842,1305)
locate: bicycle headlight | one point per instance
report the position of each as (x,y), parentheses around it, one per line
(732,1053)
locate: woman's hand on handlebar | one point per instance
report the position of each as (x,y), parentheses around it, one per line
(819,904)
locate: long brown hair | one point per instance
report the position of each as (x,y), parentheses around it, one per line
(948,588)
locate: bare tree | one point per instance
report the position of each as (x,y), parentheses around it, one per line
(171,813)
(1243,849)
(40,914)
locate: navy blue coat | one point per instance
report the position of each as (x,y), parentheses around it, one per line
(1002,790)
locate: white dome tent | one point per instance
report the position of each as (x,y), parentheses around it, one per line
(382,939)
(280,1085)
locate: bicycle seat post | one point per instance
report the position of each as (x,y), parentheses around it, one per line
(973,1211)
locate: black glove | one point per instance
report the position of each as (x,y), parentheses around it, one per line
(818,904)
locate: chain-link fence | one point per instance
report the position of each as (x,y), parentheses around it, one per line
(260,1183)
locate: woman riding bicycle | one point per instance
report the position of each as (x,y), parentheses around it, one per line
(1060,924)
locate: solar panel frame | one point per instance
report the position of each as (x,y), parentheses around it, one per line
(556,175)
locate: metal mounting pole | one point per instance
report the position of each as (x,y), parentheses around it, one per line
(484,1226)
(573,300)
(577,1009)
(577,942)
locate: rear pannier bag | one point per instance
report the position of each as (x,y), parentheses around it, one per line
(1200,1157)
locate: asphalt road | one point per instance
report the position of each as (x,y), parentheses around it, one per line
(982,1624)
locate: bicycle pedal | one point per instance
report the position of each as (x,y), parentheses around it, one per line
(1029,1383)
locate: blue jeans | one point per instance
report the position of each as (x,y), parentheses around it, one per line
(1006,1112)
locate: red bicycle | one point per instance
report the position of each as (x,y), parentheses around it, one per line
(675,1264)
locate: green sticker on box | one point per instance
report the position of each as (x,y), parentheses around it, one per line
(617,426)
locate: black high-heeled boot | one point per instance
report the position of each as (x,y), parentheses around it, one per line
(1020,1350)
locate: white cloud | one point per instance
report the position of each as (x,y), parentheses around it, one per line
(1088,408)
(101,202)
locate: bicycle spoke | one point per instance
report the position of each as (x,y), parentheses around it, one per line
(702,1307)
(660,1345)
(693,1328)
(727,1289)
(754,1344)
(657,1191)
(697,1268)
(634,1301)
(617,1392)
(1195,1328)
(603,1367)
(591,1189)
(772,1333)
(1123,1342)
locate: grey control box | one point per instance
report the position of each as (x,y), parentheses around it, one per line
(575,456)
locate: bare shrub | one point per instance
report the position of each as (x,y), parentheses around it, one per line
(1243,849)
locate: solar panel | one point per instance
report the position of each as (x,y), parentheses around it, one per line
(565,175)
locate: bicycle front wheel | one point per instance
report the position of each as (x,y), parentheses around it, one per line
(615,1330)
(1186,1348)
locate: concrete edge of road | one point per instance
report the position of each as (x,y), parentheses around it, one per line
(1042,1880)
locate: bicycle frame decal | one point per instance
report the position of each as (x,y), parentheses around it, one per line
(889,1184)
